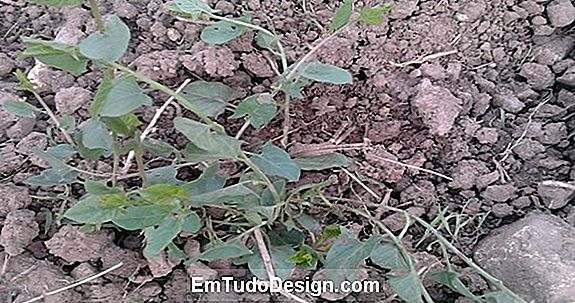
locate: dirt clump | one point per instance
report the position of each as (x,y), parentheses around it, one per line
(20,227)
(72,245)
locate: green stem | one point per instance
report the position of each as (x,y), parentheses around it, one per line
(116,160)
(97,16)
(139,155)
(287,120)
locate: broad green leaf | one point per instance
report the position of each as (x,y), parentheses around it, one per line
(294,87)
(124,96)
(55,162)
(323,162)
(98,188)
(207,182)
(329,232)
(267,197)
(191,223)
(163,193)
(61,151)
(326,73)
(293,238)
(102,93)
(91,210)
(310,223)
(163,175)
(228,194)
(267,41)
(53,176)
(95,135)
(232,249)
(388,256)
(201,136)
(260,108)
(159,148)
(21,108)
(345,257)
(124,125)
(25,83)
(280,256)
(275,161)
(194,154)
(211,98)
(68,123)
(224,31)
(138,217)
(451,280)
(59,55)
(373,15)
(109,45)
(56,2)
(193,6)
(341,17)
(407,287)
(86,153)
(157,238)
(501,297)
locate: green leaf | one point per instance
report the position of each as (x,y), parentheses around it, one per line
(158,147)
(232,249)
(68,123)
(138,217)
(201,136)
(310,223)
(451,280)
(21,108)
(59,55)
(95,135)
(91,210)
(228,194)
(345,257)
(293,238)
(260,108)
(207,182)
(25,83)
(211,98)
(109,45)
(501,297)
(56,2)
(157,238)
(98,188)
(407,287)
(125,125)
(323,162)
(161,175)
(191,223)
(374,15)
(326,73)
(275,161)
(267,41)
(329,232)
(294,87)
(124,96)
(341,17)
(53,176)
(163,193)
(88,154)
(224,31)
(102,93)
(193,6)
(61,151)
(388,256)
(305,257)
(280,256)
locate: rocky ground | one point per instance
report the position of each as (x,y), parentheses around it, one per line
(481,91)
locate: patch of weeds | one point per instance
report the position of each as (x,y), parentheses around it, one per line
(264,217)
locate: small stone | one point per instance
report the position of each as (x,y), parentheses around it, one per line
(437,106)
(68,100)
(162,265)
(466,172)
(13,197)
(568,77)
(528,149)
(173,34)
(72,245)
(508,102)
(502,210)
(554,50)
(539,76)
(555,194)
(561,12)
(521,202)
(499,193)
(125,9)
(21,129)
(433,70)
(533,257)
(553,133)
(486,180)
(199,269)
(487,135)
(20,227)
(6,65)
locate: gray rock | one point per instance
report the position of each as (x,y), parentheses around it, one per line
(535,257)
(554,50)
(437,106)
(13,197)
(20,227)
(553,133)
(561,12)
(502,210)
(568,78)
(68,100)
(487,135)
(508,102)
(539,76)
(499,193)
(6,65)
(528,149)
(555,194)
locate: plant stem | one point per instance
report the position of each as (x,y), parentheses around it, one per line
(52,117)
(141,168)
(116,160)
(97,16)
